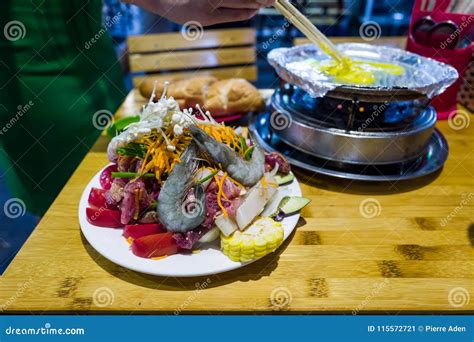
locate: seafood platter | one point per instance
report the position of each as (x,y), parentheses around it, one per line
(186,196)
(369,120)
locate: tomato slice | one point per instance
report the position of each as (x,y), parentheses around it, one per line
(136,231)
(103,217)
(155,245)
(106,176)
(97,199)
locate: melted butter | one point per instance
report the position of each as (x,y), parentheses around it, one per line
(352,71)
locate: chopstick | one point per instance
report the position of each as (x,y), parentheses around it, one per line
(291,13)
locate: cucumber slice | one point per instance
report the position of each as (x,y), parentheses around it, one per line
(284,179)
(210,236)
(292,204)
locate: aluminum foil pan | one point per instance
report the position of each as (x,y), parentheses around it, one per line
(422,77)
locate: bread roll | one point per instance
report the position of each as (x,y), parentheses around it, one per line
(224,97)
(192,90)
(232,96)
(146,87)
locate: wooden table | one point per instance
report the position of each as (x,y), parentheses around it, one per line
(415,256)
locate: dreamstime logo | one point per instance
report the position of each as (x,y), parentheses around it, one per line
(465,200)
(465,23)
(377,110)
(18,293)
(458,297)
(280,121)
(199,288)
(14,208)
(192,30)
(14,30)
(370,30)
(102,119)
(21,110)
(376,288)
(97,213)
(278,33)
(370,208)
(458,120)
(102,297)
(108,23)
(281,297)
(192,208)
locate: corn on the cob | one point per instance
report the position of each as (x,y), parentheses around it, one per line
(261,238)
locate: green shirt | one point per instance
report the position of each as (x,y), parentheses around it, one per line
(59,78)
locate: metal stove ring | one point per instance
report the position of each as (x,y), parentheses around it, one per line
(356,147)
(431,160)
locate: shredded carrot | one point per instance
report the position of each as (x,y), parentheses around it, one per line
(158,159)
(224,134)
(222,185)
(219,194)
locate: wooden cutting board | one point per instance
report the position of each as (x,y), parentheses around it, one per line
(400,247)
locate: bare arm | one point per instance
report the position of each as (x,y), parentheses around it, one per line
(206,12)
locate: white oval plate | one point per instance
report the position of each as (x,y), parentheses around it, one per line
(110,243)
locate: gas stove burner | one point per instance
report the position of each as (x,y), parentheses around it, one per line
(348,114)
(431,158)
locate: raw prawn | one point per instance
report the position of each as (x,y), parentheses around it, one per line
(178,211)
(245,172)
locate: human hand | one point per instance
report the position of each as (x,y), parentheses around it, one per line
(206,12)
